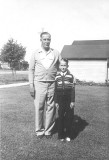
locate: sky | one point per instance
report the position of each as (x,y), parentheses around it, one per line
(66,20)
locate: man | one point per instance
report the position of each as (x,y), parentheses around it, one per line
(42,72)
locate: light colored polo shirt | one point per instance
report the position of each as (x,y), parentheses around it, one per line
(43,65)
(46,58)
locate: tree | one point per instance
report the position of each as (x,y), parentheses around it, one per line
(24,65)
(13,53)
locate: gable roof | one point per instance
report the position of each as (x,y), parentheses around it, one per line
(92,42)
(97,49)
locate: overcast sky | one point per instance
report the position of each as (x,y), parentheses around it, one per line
(66,20)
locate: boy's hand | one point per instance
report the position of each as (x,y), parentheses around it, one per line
(57,105)
(32,90)
(72,105)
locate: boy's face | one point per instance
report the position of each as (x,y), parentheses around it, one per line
(63,66)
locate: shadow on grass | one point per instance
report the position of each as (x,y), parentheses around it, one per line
(78,126)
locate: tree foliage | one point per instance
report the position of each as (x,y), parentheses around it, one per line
(24,65)
(13,53)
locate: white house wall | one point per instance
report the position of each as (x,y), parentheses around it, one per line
(89,70)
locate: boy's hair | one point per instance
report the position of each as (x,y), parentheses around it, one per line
(44,33)
(65,60)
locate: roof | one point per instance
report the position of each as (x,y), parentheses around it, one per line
(92,42)
(97,49)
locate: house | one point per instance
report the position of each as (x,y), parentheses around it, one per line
(4,65)
(88,60)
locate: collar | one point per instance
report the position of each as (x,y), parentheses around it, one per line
(63,74)
(42,50)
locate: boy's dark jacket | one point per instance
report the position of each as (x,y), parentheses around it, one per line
(65,86)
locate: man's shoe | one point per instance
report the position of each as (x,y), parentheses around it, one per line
(48,136)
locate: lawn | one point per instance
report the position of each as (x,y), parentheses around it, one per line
(89,130)
(9,78)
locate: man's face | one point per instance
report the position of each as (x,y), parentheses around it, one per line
(46,39)
(63,66)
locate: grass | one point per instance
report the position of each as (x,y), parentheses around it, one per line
(89,131)
(9,78)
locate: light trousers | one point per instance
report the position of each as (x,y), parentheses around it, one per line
(44,107)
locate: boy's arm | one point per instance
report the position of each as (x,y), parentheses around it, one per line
(73,94)
(72,104)
(55,98)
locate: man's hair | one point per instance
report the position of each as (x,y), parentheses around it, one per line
(44,33)
(65,60)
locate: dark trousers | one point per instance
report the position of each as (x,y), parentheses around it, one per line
(65,118)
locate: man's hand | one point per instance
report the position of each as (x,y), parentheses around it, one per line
(72,105)
(32,90)
(57,105)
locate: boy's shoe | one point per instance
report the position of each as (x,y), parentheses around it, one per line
(61,140)
(68,139)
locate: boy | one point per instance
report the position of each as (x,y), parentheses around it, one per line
(65,100)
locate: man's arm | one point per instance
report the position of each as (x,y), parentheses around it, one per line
(31,69)
(32,90)
(31,75)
